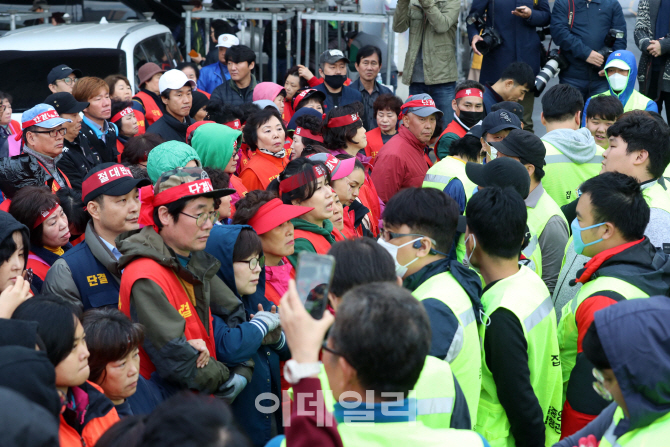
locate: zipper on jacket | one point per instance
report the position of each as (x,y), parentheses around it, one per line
(83,443)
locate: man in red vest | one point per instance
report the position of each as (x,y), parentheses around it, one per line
(169,285)
(148,99)
(468,108)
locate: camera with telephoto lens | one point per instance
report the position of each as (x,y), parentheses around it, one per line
(555,63)
(610,38)
(490,37)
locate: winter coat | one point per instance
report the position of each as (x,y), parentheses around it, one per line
(229,93)
(24,170)
(213,75)
(520,42)
(78,158)
(170,129)
(645,30)
(87,416)
(106,149)
(24,423)
(215,144)
(349,96)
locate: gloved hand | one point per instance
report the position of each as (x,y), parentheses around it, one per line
(270,320)
(273,337)
(231,388)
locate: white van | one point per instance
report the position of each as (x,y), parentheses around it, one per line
(28,54)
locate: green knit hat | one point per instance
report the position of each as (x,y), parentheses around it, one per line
(168,156)
(215,144)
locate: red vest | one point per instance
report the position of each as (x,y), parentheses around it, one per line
(338,235)
(265,167)
(39,266)
(140,121)
(453,127)
(152,112)
(245,156)
(320,243)
(241,190)
(119,148)
(375,143)
(145,268)
(369,197)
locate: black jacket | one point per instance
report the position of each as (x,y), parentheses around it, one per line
(105,149)
(78,158)
(169,128)
(24,423)
(229,93)
(20,171)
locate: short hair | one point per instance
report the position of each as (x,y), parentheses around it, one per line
(222,113)
(519,72)
(561,102)
(218,177)
(111,81)
(314,148)
(360,261)
(367,51)
(387,101)
(182,65)
(117,106)
(7,96)
(255,121)
(305,102)
(339,137)
(311,123)
(246,110)
(110,336)
(27,206)
(74,209)
(88,87)
(125,433)
(248,243)
(240,53)
(643,132)
(248,206)
(209,423)
(174,209)
(468,147)
(221,27)
(295,71)
(497,218)
(426,211)
(56,318)
(8,247)
(467,84)
(299,166)
(605,107)
(617,198)
(138,147)
(384,333)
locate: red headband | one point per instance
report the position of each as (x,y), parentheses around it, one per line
(100,178)
(415,103)
(470,92)
(151,201)
(307,134)
(44,116)
(121,114)
(296,181)
(343,120)
(233,124)
(44,215)
(301,96)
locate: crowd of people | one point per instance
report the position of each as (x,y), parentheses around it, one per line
(491,287)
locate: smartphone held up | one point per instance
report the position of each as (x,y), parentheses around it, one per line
(313,278)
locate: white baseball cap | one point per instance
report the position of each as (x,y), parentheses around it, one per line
(174,79)
(616,63)
(228,40)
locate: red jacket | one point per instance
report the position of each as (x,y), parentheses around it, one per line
(375,143)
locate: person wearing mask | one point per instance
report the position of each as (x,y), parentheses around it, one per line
(581,31)
(612,215)
(468,106)
(401,161)
(125,121)
(42,136)
(214,74)
(88,275)
(171,155)
(386,110)
(368,64)
(515,82)
(239,89)
(600,114)
(120,90)
(292,84)
(14,246)
(356,40)
(9,145)
(572,154)
(96,127)
(264,133)
(78,158)
(519,404)
(176,95)
(652,26)
(333,70)
(147,100)
(63,78)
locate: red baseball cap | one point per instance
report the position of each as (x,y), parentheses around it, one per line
(275,213)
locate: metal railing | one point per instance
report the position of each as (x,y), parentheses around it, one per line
(15,16)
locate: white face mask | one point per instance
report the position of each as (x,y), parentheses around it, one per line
(618,82)
(400,270)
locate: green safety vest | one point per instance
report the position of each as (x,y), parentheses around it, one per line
(415,434)
(464,354)
(528,298)
(563,177)
(636,101)
(567,327)
(445,171)
(657,196)
(655,434)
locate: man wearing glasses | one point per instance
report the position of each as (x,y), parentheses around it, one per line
(63,78)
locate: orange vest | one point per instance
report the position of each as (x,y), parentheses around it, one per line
(245,156)
(338,235)
(241,190)
(140,121)
(453,127)
(93,430)
(167,280)
(369,197)
(375,143)
(261,170)
(152,112)
(320,243)
(119,148)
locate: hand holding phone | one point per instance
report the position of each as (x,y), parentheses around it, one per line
(315,273)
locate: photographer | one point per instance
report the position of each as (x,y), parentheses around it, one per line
(651,29)
(581,32)
(515,25)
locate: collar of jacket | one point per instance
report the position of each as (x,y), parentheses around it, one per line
(48,162)
(250,87)
(101,252)
(409,137)
(598,260)
(111,127)
(176,124)
(48,256)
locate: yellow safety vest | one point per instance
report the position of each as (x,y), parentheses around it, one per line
(636,100)
(445,171)
(655,434)
(355,434)
(656,195)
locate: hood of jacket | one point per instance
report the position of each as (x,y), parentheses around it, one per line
(169,155)
(627,58)
(8,225)
(578,145)
(325,230)
(267,90)
(635,335)
(215,144)
(25,424)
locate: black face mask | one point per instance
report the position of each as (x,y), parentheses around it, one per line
(335,81)
(471,118)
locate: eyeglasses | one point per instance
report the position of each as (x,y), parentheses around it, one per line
(325,347)
(69,80)
(599,386)
(255,262)
(52,133)
(201,218)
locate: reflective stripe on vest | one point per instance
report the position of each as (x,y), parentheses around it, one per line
(636,100)
(445,171)
(560,158)
(538,216)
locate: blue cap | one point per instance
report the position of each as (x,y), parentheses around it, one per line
(40,114)
(292,125)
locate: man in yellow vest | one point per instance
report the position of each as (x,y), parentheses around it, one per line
(572,155)
(612,215)
(546,222)
(419,229)
(629,347)
(373,356)
(520,402)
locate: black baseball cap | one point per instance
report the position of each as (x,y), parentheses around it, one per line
(110,179)
(332,56)
(476,131)
(500,120)
(502,172)
(510,106)
(524,145)
(64,102)
(61,72)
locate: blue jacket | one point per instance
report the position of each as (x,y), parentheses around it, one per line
(349,95)
(266,376)
(520,42)
(592,21)
(624,96)
(210,77)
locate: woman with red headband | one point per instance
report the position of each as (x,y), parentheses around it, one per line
(126,123)
(307,183)
(38,209)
